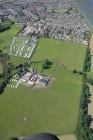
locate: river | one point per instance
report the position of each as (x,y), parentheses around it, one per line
(86,8)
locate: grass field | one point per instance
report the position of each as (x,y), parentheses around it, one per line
(18,60)
(70,54)
(5,42)
(53,109)
(7,36)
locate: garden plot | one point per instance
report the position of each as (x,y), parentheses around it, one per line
(23,46)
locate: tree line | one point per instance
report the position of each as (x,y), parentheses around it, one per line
(84,132)
(5,24)
(7,71)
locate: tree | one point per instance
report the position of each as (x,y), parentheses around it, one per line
(1,89)
(14,138)
(47,64)
(5,77)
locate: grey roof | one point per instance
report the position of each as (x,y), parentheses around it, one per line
(42,136)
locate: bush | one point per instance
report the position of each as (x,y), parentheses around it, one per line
(75,71)
(47,64)
(14,138)
(5,26)
(90,81)
(80,73)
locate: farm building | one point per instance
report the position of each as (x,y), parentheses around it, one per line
(33,78)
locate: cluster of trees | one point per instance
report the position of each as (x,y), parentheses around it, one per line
(5,77)
(21,70)
(87,63)
(84,132)
(5,24)
(14,138)
(46,65)
(47,32)
(7,73)
(87,35)
(10,70)
(89,80)
(78,72)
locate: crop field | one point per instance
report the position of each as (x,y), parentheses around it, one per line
(54,109)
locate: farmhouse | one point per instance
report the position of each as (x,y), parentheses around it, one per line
(43,80)
(28,30)
(32,78)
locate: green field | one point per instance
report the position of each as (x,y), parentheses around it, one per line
(5,42)
(7,36)
(18,60)
(53,109)
(70,54)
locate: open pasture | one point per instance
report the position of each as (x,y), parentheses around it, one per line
(54,109)
(7,36)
